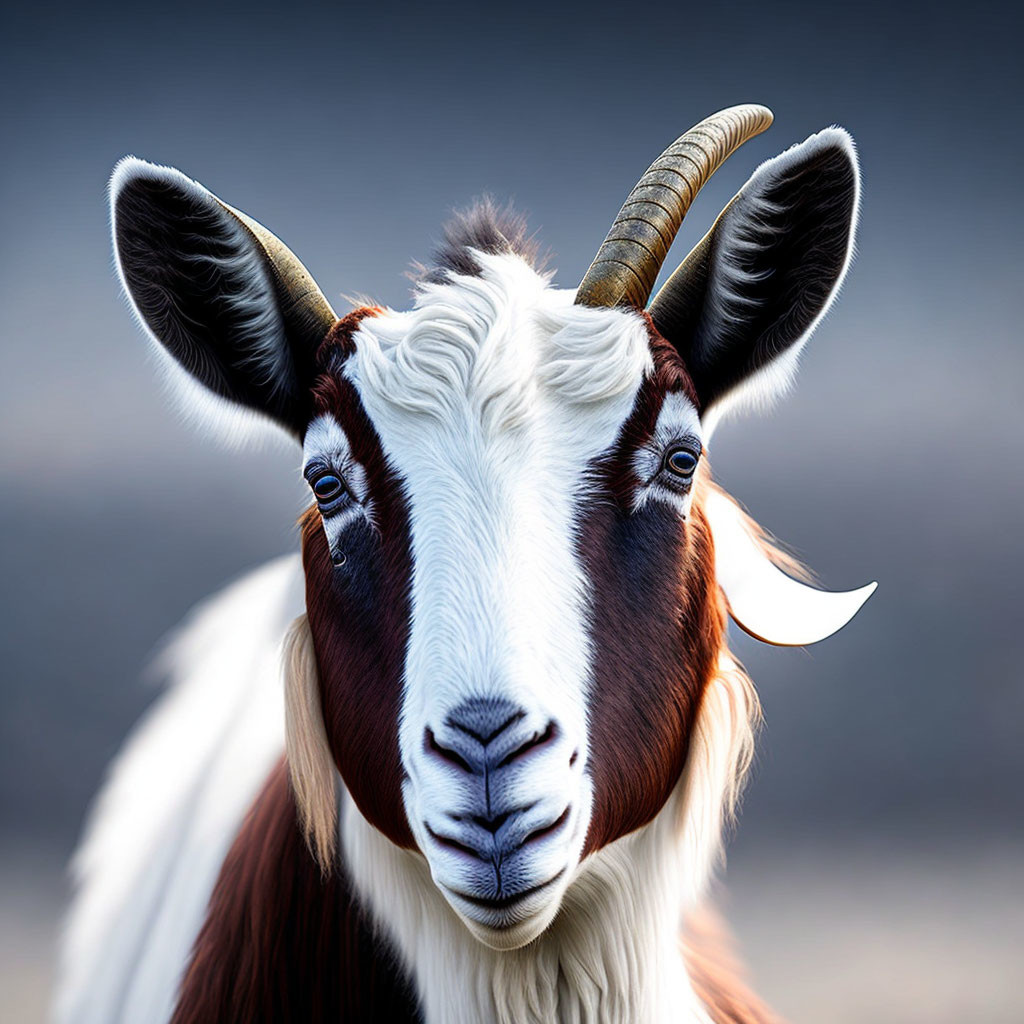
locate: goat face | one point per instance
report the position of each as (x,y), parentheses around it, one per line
(507,566)
(511,582)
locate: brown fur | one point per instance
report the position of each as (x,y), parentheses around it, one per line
(283,944)
(339,343)
(360,629)
(359,614)
(654,591)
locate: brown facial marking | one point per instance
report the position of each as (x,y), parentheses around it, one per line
(339,343)
(669,374)
(359,612)
(657,623)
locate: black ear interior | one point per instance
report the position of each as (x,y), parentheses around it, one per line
(759,280)
(208,291)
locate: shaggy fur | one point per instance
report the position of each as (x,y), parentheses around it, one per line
(141,903)
(717,975)
(310,763)
(484,227)
(300,949)
(612,954)
(283,944)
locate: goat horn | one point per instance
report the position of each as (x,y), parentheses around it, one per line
(627,264)
(303,305)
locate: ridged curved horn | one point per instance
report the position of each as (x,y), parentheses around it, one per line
(627,264)
(304,307)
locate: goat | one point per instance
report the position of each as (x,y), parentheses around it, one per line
(511,722)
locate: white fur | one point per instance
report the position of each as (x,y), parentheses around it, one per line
(612,954)
(677,420)
(491,398)
(174,800)
(326,442)
(726,290)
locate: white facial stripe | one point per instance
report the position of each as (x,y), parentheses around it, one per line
(677,421)
(498,594)
(492,482)
(326,444)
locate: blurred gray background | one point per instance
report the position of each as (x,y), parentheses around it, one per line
(878,870)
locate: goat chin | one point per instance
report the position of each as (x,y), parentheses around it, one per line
(518,935)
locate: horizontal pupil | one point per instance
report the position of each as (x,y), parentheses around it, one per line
(327,487)
(683,463)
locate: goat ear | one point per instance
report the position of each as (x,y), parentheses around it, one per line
(742,304)
(225,298)
(763,600)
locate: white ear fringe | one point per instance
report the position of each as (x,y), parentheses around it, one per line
(774,379)
(233,425)
(310,762)
(763,600)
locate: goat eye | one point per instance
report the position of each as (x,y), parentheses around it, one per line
(327,487)
(681,463)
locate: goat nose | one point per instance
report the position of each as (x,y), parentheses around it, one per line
(508,804)
(484,719)
(485,734)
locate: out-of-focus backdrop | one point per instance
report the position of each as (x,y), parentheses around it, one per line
(877,872)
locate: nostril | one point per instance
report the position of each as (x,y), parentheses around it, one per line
(548,830)
(445,753)
(536,741)
(491,824)
(451,844)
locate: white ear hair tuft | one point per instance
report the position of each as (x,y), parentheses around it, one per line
(763,600)
(310,762)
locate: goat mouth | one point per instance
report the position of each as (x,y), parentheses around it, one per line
(505,903)
(510,922)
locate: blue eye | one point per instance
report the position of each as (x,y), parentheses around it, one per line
(682,462)
(327,487)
